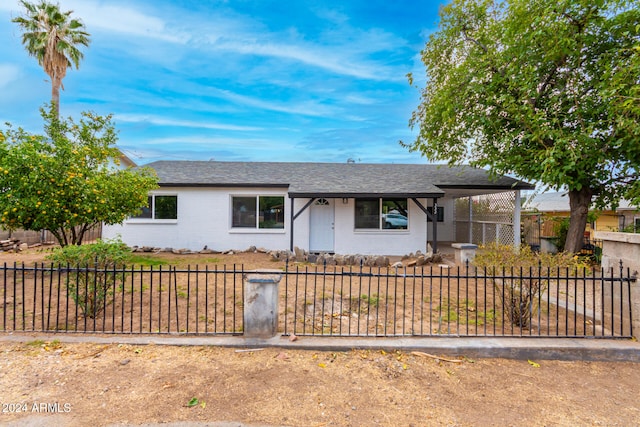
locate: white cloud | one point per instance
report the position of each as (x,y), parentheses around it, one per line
(8,74)
(124,20)
(111,17)
(354,98)
(342,50)
(316,56)
(161,121)
(217,143)
(10,6)
(305,108)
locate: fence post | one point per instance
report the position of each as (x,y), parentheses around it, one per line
(634,297)
(261,303)
(635,309)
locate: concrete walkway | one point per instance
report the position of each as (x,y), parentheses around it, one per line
(606,350)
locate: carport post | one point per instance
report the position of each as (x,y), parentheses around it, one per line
(517,238)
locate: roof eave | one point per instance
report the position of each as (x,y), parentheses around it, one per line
(517,186)
(221,185)
(337,195)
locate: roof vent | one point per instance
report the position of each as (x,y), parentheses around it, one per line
(350,160)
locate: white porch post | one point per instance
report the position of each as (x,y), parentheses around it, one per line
(516,221)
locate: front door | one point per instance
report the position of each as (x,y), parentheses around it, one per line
(321,226)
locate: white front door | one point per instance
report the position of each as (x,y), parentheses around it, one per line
(321,226)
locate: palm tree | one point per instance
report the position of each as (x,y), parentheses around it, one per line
(52,37)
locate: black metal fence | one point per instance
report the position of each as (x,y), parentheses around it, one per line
(321,301)
(121,301)
(458,302)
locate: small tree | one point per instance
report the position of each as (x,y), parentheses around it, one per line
(66,181)
(519,276)
(93,282)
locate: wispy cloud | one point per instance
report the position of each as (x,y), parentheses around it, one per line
(161,121)
(344,51)
(322,57)
(9,6)
(8,74)
(304,108)
(125,20)
(212,142)
(246,80)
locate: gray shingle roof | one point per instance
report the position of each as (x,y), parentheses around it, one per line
(331,179)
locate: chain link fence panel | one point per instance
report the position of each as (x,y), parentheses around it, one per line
(486,218)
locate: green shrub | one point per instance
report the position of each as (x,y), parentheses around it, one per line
(560,231)
(502,265)
(91,285)
(631,228)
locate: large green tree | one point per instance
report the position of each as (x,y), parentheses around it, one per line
(53,38)
(68,181)
(544,89)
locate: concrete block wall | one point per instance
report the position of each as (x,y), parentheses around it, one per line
(623,247)
(618,247)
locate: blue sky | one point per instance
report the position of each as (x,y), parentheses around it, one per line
(236,80)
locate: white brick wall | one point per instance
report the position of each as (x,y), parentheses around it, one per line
(204,219)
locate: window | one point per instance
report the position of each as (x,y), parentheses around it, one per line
(367,213)
(264,212)
(440,213)
(160,207)
(376,214)
(636,225)
(621,220)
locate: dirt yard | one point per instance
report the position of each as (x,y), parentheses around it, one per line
(53,383)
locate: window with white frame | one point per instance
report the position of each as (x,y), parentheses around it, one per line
(160,206)
(381,213)
(261,212)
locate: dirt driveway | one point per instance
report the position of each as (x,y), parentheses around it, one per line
(53,383)
(96,385)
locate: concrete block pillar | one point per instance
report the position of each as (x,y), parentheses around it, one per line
(635,309)
(261,304)
(625,248)
(464,252)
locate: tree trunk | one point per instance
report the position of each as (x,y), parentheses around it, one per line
(55,95)
(579,202)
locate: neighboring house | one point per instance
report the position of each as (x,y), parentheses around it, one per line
(556,205)
(126,162)
(344,208)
